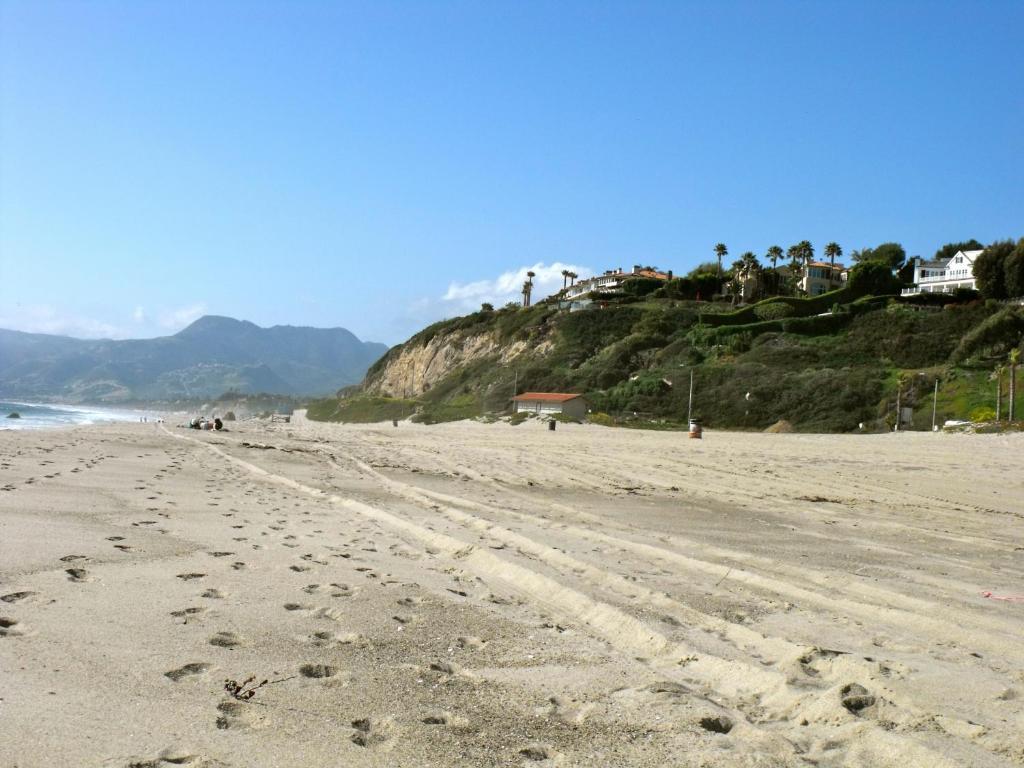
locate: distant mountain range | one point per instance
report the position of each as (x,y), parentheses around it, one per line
(206,359)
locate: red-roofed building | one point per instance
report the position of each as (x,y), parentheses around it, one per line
(542,403)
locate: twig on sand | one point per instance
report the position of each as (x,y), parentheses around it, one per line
(244,691)
(724,577)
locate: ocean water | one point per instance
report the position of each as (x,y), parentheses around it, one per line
(48,416)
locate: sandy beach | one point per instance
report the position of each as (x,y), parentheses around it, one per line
(480,595)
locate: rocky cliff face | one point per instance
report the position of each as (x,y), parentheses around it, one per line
(412,369)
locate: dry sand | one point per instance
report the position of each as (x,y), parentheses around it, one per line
(479,595)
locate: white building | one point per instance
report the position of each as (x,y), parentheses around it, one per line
(548,403)
(944,276)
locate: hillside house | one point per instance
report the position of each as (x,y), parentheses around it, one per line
(944,276)
(550,403)
(820,277)
(610,281)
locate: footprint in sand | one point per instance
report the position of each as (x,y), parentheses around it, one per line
(15,597)
(317,671)
(567,710)
(189,670)
(184,613)
(11,627)
(226,640)
(78,575)
(214,594)
(450,668)
(232,713)
(443,717)
(73,558)
(856,698)
(716,723)
(470,641)
(324,639)
(175,755)
(542,752)
(190,576)
(372,732)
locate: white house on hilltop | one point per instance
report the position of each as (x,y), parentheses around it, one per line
(944,276)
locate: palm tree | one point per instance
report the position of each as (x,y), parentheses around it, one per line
(565,278)
(743,270)
(572,279)
(806,251)
(721,252)
(833,251)
(793,254)
(1014,360)
(774,253)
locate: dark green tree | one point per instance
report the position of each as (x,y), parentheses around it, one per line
(990,269)
(774,253)
(1013,271)
(949,250)
(872,278)
(704,268)
(891,254)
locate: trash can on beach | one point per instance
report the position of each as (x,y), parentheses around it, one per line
(695,430)
(551,425)
(394,422)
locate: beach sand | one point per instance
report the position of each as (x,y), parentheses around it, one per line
(480,595)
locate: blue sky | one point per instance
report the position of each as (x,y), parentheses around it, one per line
(379,165)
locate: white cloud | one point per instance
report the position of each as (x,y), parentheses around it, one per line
(42,318)
(177,319)
(139,315)
(508,286)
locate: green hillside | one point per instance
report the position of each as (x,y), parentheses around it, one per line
(825,364)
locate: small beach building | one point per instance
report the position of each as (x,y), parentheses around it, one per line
(549,403)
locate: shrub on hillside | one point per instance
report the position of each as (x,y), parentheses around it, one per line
(1000,332)
(775,310)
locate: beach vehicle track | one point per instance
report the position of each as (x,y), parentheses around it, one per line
(735,680)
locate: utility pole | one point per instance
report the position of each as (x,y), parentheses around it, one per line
(999,393)
(899,391)
(935,402)
(689,407)
(515,384)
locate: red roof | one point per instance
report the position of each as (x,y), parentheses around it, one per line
(550,397)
